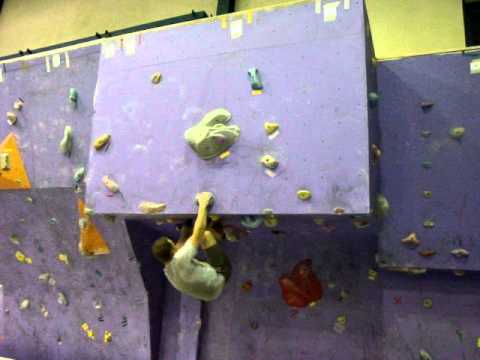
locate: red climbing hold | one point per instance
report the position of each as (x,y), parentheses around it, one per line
(302,286)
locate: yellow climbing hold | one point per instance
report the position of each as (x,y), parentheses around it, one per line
(151,208)
(85,327)
(304,194)
(88,331)
(63,258)
(270,221)
(102,141)
(271,127)
(372,275)
(22,258)
(156,78)
(224,155)
(478,342)
(269,162)
(107,337)
(110,184)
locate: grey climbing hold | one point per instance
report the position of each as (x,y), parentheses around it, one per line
(426,164)
(255,80)
(79,174)
(457,132)
(212,136)
(251,222)
(66,143)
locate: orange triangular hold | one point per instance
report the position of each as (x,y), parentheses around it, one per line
(91,242)
(13,175)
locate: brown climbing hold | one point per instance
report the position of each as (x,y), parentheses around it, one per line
(427,253)
(110,184)
(460,253)
(102,141)
(339,211)
(411,240)
(377,153)
(151,208)
(91,242)
(11,118)
(247,286)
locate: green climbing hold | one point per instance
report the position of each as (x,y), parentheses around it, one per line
(66,143)
(304,194)
(382,207)
(427,303)
(427,194)
(255,80)
(73,95)
(79,174)
(457,132)
(429,224)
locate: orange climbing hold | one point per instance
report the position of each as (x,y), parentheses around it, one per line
(91,242)
(13,175)
(301,287)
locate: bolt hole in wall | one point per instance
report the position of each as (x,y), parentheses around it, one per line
(471,11)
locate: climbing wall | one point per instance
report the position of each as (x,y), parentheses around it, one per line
(311,59)
(429,171)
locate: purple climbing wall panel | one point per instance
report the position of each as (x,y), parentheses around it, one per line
(411,136)
(314,74)
(106,292)
(47,111)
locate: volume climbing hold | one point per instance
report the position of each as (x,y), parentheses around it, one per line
(269,162)
(66,143)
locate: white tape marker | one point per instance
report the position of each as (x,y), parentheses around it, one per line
(47,63)
(130,45)
(318,6)
(67,60)
(56,60)
(330,11)
(236,28)
(346,4)
(475,67)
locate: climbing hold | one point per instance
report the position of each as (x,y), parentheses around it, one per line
(269,162)
(457,132)
(427,303)
(373,98)
(319,221)
(89,332)
(271,127)
(377,153)
(425,133)
(110,184)
(62,299)
(18,104)
(340,324)
(247,286)
(459,272)
(460,253)
(107,337)
(11,118)
(29,199)
(5,161)
(212,136)
(24,304)
(361,223)
(426,105)
(270,221)
(382,207)
(52,221)
(66,143)
(372,275)
(427,253)
(251,222)
(224,155)
(43,276)
(255,80)
(22,258)
(156,78)
(427,194)
(254,325)
(91,241)
(14,239)
(43,310)
(343,295)
(304,194)
(427,164)
(429,224)
(97,304)
(411,240)
(267,212)
(424,355)
(151,208)
(79,174)
(339,211)
(73,95)
(63,258)
(102,141)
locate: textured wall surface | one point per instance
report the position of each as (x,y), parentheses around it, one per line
(42,230)
(314,75)
(454,174)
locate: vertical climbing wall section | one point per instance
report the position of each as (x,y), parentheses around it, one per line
(429,129)
(293,82)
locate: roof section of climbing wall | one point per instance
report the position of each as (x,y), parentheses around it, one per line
(292,85)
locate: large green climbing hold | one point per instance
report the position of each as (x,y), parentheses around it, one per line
(457,132)
(67,141)
(212,136)
(382,207)
(255,80)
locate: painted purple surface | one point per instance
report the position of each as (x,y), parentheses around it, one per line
(45,228)
(47,111)
(386,319)
(314,74)
(455,174)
